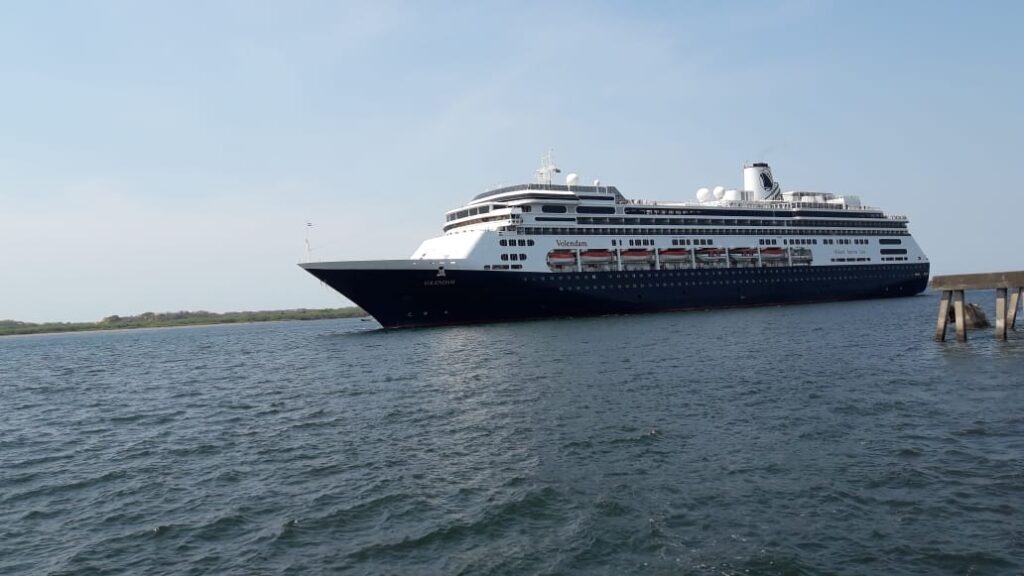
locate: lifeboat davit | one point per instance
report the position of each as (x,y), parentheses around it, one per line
(635,255)
(596,256)
(801,254)
(674,255)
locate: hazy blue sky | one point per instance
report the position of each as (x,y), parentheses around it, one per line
(161,156)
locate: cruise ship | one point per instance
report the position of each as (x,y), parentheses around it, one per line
(547,249)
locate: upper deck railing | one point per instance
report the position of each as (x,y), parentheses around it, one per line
(772,205)
(760,205)
(550,187)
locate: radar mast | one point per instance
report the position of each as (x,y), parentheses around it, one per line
(547,169)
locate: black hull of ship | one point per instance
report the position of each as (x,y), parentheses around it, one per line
(419,297)
(404,298)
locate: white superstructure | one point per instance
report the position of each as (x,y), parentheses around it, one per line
(547,227)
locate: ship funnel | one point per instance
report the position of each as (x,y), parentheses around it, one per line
(757,178)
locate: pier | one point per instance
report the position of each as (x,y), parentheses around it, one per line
(953,287)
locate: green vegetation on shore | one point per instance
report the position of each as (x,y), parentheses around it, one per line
(165,319)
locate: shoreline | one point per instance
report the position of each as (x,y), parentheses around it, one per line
(177,320)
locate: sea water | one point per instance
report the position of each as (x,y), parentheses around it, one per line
(812,439)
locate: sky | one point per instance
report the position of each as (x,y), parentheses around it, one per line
(162,156)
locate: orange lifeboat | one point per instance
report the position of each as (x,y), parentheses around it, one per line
(674,255)
(710,254)
(561,258)
(631,256)
(596,256)
(743,254)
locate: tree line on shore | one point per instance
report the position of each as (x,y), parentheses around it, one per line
(182,318)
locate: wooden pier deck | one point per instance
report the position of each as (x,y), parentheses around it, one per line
(953,287)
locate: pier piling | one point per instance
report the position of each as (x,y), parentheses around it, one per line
(1015,297)
(958,311)
(1000,313)
(940,328)
(953,287)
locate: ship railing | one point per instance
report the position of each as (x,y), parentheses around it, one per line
(602,189)
(760,205)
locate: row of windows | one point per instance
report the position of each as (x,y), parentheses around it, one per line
(515,242)
(595,210)
(799,241)
(745,215)
(469,212)
(733,222)
(513,256)
(894,258)
(890,241)
(845,241)
(893,250)
(743,220)
(503,267)
(694,242)
(851,259)
(586,231)
(675,242)
(768,242)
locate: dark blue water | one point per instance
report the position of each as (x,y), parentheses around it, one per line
(813,439)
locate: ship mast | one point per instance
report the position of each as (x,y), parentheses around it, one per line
(547,169)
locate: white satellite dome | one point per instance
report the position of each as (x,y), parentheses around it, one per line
(732,195)
(704,195)
(572,179)
(718,192)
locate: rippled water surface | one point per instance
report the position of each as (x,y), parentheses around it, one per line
(815,439)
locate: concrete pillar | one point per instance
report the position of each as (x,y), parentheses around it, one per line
(1015,297)
(1000,313)
(940,326)
(958,312)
